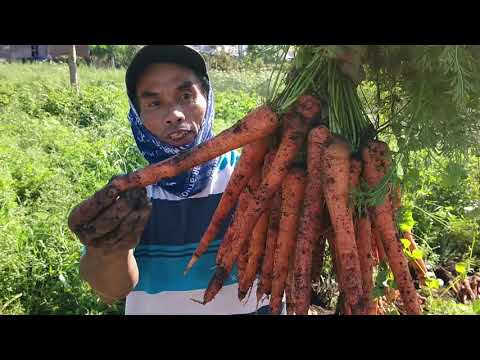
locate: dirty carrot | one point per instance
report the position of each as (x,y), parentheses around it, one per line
(363,238)
(310,220)
(377,159)
(254,126)
(335,182)
(293,190)
(364,246)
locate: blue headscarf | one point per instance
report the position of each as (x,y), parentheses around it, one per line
(190,182)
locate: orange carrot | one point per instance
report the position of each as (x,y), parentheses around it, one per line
(310,220)
(257,240)
(335,182)
(242,206)
(265,283)
(376,158)
(255,253)
(293,190)
(251,158)
(363,235)
(364,246)
(254,126)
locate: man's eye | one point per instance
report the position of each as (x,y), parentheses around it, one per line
(187,96)
(154,103)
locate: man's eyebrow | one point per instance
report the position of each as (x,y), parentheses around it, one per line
(185,85)
(148,94)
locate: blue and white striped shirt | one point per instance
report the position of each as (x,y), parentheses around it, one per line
(174,230)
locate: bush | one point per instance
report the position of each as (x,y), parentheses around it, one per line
(444,201)
(231,107)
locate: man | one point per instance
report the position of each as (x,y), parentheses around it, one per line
(138,246)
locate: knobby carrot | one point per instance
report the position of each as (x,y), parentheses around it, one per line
(335,182)
(363,235)
(377,159)
(310,220)
(293,190)
(251,158)
(364,246)
(256,125)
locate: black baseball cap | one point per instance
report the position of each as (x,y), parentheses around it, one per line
(153,54)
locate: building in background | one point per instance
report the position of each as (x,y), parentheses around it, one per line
(40,52)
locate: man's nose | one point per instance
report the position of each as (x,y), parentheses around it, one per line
(175,116)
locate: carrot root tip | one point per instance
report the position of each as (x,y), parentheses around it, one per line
(190,264)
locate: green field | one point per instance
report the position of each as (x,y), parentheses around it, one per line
(57,148)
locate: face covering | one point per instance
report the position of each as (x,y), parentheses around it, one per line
(190,182)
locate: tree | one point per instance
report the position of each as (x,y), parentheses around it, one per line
(266,53)
(114,55)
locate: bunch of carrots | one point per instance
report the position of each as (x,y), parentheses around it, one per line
(286,210)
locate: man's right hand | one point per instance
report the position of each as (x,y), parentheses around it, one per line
(110,221)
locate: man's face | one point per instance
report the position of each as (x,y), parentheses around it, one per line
(172,103)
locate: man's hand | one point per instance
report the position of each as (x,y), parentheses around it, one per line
(110,221)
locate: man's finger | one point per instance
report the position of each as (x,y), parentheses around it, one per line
(132,239)
(112,217)
(90,208)
(129,230)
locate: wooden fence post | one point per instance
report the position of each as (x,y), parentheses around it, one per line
(72,63)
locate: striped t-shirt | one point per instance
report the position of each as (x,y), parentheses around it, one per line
(174,230)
